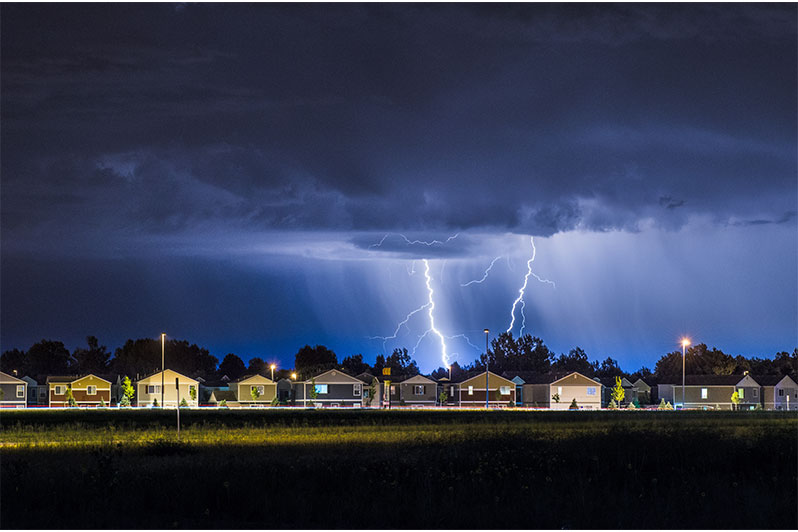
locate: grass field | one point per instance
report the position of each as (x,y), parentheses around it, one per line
(376,469)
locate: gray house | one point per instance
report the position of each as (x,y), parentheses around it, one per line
(13,391)
(418,391)
(711,392)
(37,393)
(779,392)
(533,389)
(333,388)
(643,392)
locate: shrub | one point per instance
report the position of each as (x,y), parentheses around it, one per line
(155,402)
(275,401)
(223,403)
(443,397)
(573,406)
(556,397)
(661,405)
(613,405)
(631,406)
(183,402)
(102,403)
(125,401)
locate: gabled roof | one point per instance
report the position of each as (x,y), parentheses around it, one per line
(773,380)
(61,378)
(5,378)
(172,373)
(256,376)
(223,395)
(334,376)
(531,377)
(575,377)
(366,377)
(705,380)
(481,375)
(642,385)
(418,379)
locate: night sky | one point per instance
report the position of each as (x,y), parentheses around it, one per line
(254,178)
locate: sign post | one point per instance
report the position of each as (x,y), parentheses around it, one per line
(387,372)
(177,386)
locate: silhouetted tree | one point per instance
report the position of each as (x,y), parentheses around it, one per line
(14,360)
(401,363)
(608,368)
(48,357)
(143,356)
(354,364)
(232,366)
(256,365)
(94,359)
(311,360)
(575,360)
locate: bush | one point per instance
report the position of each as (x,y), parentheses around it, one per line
(573,406)
(223,403)
(183,402)
(613,405)
(155,402)
(125,401)
(102,403)
(631,406)
(275,401)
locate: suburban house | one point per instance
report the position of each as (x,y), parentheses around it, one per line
(333,388)
(500,390)
(148,389)
(452,391)
(263,387)
(88,390)
(586,391)
(285,388)
(711,392)
(206,388)
(13,391)
(371,384)
(37,393)
(608,383)
(643,392)
(533,389)
(779,392)
(418,391)
(228,396)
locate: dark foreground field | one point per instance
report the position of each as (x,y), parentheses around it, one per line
(337,469)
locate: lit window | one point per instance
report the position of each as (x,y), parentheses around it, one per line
(704,393)
(504,390)
(418,390)
(741,393)
(393,389)
(321,388)
(470,390)
(559,390)
(21,390)
(591,390)
(91,390)
(356,388)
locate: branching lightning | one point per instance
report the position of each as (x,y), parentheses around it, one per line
(520,298)
(430,308)
(479,281)
(413,242)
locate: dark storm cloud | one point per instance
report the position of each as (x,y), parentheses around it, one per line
(146,119)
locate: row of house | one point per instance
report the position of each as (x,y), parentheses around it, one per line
(337,388)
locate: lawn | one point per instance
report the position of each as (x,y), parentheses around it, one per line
(376,469)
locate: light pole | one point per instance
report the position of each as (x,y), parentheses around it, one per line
(292,395)
(275,386)
(163,340)
(685,343)
(487,361)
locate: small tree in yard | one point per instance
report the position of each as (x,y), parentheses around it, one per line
(183,402)
(102,403)
(275,401)
(371,390)
(661,405)
(313,393)
(617,391)
(573,406)
(735,399)
(631,406)
(613,405)
(254,392)
(127,392)
(443,397)
(556,397)
(223,403)
(192,392)
(69,397)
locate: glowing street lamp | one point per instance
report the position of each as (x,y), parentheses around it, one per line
(685,343)
(275,388)
(487,395)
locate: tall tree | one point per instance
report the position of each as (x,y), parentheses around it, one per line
(354,364)
(14,362)
(49,357)
(256,365)
(93,359)
(232,366)
(608,368)
(575,360)
(401,363)
(143,356)
(309,360)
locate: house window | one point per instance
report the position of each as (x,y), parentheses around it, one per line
(91,390)
(418,390)
(591,390)
(470,390)
(59,390)
(356,388)
(741,393)
(21,390)
(704,393)
(153,388)
(559,391)
(321,388)
(755,392)
(504,390)
(259,388)
(451,391)
(366,393)
(393,389)
(781,393)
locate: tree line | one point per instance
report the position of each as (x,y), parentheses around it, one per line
(527,353)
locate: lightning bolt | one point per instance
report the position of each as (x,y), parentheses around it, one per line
(398,327)
(520,298)
(413,242)
(479,281)
(430,309)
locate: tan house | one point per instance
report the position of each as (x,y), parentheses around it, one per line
(418,391)
(13,391)
(711,392)
(500,391)
(88,390)
(779,392)
(266,390)
(586,391)
(148,389)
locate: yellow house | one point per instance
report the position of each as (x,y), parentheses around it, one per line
(148,389)
(586,391)
(243,387)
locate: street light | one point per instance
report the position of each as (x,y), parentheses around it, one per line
(487,395)
(685,343)
(275,388)
(163,340)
